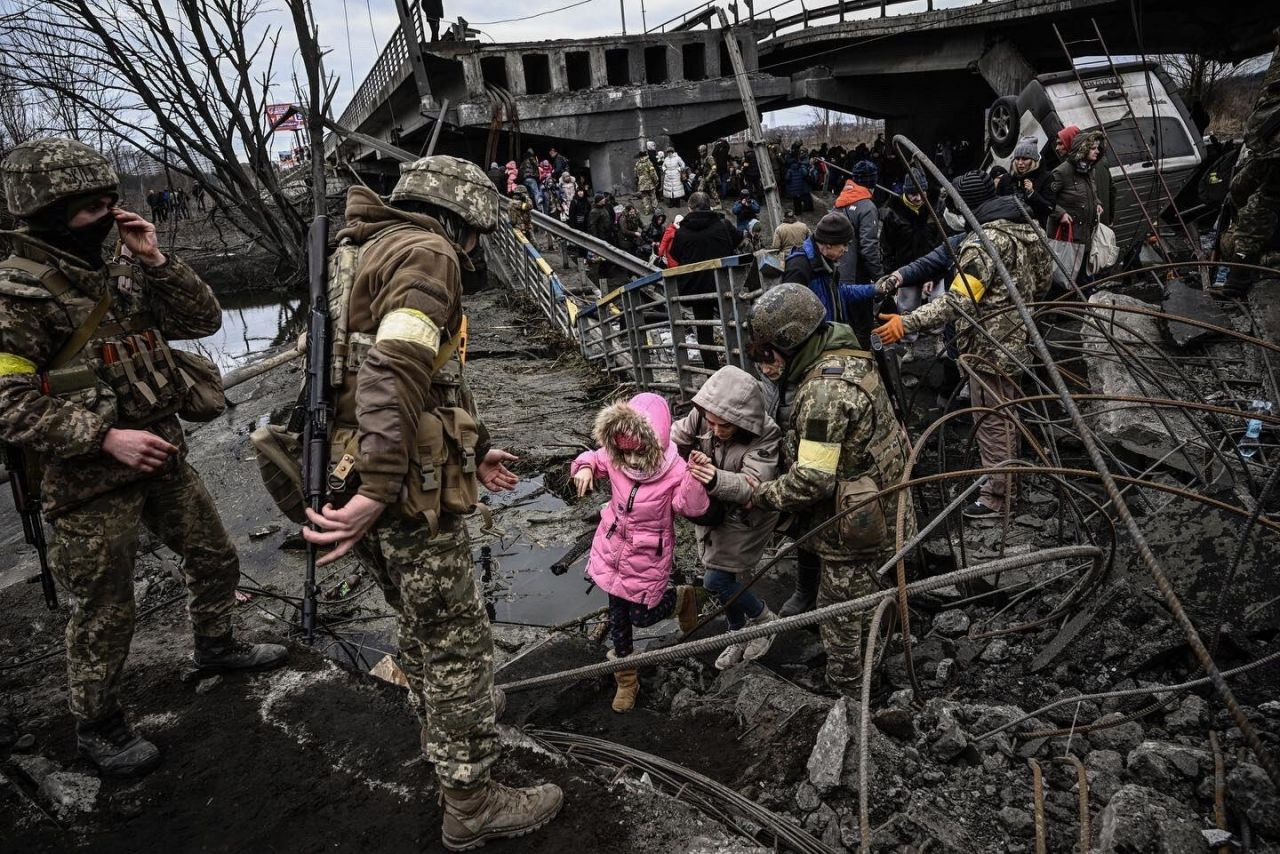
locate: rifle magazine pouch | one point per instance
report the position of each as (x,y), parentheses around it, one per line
(864,528)
(203,398)
(442,467)
(279,455)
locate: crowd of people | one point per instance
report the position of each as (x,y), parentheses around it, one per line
(174,203)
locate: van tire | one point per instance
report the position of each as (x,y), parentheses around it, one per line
(1003,122)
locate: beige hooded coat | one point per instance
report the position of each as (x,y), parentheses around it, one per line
(735,396)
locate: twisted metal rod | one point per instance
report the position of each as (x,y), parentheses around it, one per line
(1145,554)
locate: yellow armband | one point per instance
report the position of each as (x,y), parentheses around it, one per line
(821,456)
(12,364)
(968,286)
(409,324)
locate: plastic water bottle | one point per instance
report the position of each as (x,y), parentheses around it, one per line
(1220,278)
(876,343)
(1253,430)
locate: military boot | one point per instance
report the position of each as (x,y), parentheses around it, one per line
(1239,280)
(225,653)
(493,811)
(112,745)
(805,597)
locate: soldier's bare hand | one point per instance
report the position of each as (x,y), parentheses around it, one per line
(137,449)
(584,480)
(343,528)
(139,237)
(493,472)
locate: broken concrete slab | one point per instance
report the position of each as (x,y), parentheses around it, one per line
(1183,300)
(71,794)
(827,759)
(1139,820)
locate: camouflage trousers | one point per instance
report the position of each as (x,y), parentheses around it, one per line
(446,649)
(647,202)
(843,580)
(93,552)
(1256,190)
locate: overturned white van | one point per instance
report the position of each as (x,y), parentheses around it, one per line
(1149,131)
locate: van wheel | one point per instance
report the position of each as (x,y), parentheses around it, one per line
(1002,125)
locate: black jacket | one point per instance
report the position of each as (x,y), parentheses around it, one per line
(703,235)
(906,235)
(1041,198)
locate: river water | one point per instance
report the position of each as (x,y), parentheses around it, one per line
(251,323)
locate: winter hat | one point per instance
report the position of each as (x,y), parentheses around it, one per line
(1028,149)
(975,187)
(789,216)
(627,442)
(1067,135)
(744,192)
(866,173)
(915,182)
(833,229)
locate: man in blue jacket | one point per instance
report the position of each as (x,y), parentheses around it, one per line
(816,264)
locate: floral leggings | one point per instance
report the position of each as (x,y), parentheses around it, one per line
(623,614)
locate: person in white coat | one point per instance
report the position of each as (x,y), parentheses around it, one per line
(672,185)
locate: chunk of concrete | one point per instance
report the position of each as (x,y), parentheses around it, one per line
(827,759)
(1251,792)
(1111,358)
(1139,820)
(71,794)
(1183,300)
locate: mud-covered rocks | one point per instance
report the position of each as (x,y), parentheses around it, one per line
(1121,738)
(1251,793)
(1141,820)
(1163,766)
(951,623)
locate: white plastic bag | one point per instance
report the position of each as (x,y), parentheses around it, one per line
(1104,251)
(1068,256)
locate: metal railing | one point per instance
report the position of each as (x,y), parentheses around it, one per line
(645,332)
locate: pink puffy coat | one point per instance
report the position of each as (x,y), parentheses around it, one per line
(633,550)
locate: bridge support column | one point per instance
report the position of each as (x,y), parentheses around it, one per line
(675,64)
(559,72)
(1004,68)
(613,165)
(635,66)
(472,75)
(711,50)
(515,74)
(599,70)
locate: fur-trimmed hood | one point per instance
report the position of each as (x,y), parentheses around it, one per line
(646,417)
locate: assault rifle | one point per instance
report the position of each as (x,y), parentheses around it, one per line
(27,502)
(319,404)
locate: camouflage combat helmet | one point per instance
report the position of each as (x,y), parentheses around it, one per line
(42,171)
(784,316)
(452,183)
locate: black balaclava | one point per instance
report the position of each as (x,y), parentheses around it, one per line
(86,242)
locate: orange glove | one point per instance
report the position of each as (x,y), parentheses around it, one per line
(891,332)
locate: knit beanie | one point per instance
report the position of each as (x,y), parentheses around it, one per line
(833,229)
(915,182)
(866,173)
(975,187)
(1028,149)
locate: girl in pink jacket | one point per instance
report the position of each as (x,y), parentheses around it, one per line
(634,546)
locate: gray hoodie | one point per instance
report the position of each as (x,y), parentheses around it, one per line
(735,396)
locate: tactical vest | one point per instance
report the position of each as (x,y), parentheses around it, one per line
(121,368)
(442,458)
(865,526)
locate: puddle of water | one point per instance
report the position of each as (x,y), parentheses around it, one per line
(251,323)
(515,571)
(514,574)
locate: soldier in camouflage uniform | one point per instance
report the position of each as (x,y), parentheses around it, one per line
(406,427)
(518,207)
(646,183)
(89,385)
(1255,189)
(710,176)
(980,294)
(841,430)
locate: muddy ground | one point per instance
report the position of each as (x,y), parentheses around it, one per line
(323,756)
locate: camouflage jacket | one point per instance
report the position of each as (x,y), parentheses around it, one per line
(709,167)
(841,428)
(646,175)
(518,208)
(67,429)
(989,303)
(407,294)
(1262,128)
